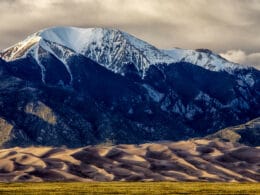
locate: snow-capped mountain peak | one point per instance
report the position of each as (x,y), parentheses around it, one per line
(70,72)
(74,38)
(111,48)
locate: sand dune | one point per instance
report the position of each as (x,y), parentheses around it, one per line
(193,160)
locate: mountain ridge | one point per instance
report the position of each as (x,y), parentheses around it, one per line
(47,84)
(98,44)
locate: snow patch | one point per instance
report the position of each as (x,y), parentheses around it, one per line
(36,57)
(155,95)
(178,107)
(203,96)
(130,111)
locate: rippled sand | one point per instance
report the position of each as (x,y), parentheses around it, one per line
(195,160)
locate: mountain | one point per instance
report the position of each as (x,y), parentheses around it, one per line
(108,47)
(247,133)
(72,86)
(111,48)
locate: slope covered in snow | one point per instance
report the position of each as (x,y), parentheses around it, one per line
(111,48)
(204,58)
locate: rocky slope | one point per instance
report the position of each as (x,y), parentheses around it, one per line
(197,160)
(73,87)
(247,133)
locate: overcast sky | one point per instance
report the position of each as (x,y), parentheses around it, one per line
(228,27)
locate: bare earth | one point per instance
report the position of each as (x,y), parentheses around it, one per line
(194,160)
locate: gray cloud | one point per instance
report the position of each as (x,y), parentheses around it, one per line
(241,57)
(221,25)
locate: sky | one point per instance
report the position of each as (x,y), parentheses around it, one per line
(228,27)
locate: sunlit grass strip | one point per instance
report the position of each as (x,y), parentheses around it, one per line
(142,188)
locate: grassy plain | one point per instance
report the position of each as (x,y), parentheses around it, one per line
(138,188)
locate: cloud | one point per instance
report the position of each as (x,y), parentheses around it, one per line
(217,25)
(239,56)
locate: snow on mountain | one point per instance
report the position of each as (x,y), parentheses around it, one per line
(92,104)
(204,58)
(20,49)
(111,48)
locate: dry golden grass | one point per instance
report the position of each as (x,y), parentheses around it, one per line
(141,188)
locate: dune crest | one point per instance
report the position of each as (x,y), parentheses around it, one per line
(193,160)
